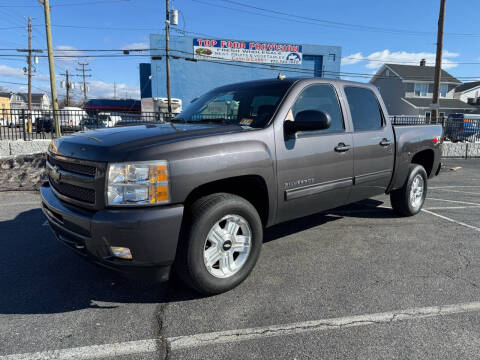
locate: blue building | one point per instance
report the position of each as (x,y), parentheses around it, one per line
(199,65)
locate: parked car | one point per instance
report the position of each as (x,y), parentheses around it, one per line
(463,127)
(44,124)
(92,123)
(193,196)
(70,117)
(109,119)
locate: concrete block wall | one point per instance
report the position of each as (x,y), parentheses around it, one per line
(473,151)
(454,150)
(21,147)
(461,150)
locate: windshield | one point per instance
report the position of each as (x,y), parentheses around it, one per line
(250,106)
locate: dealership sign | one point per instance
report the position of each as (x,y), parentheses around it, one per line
(247,51)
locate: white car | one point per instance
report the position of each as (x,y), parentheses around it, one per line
(109,119)
(71,116)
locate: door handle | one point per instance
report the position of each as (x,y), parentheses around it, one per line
(385,142)
(342,147)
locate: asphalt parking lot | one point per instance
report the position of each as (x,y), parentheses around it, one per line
(356,282)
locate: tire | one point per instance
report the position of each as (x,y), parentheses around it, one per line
(205,220)
(403,201)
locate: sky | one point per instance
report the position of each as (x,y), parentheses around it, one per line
(370,32)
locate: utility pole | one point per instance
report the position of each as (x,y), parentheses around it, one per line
(29,64)
(438,62)
(29,70)
(84,83)
(114,90)
(167,56)
(53,86)
(67,87)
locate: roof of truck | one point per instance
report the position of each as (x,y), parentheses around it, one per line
(292,80)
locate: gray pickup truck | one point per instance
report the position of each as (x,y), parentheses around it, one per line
(193,195)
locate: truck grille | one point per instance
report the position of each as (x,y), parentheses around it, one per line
(77,181)
(73,167)
(74,192)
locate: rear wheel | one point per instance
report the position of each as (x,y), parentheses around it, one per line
(220,245)
(409,199)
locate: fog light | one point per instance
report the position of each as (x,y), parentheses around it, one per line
(121,252)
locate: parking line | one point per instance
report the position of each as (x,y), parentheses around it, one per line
(451,220)
(458,191)
(90,352)
(238,335)
(453,186)
(453,201)
(454,207)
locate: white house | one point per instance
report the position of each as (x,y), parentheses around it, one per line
(20,100)
(469,93)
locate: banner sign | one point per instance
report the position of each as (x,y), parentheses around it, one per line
(247,51)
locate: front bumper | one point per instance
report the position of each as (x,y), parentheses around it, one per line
(151,234)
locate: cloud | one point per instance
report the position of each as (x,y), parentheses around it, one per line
(101,89)
(352,59)
(377,59)
(136,46)
(67,55)
(18,73)
(12,72)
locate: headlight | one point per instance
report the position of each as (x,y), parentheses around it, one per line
(137,183)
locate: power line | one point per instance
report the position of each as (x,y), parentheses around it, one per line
(357,26)
(71,4)
(320,22)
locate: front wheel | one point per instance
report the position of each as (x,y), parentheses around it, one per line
(409,200)
(221,242)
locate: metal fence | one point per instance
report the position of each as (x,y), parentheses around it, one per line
(23,124)
(456,127)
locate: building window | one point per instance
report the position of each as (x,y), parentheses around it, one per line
(443,90)
(387,73)
(421,89)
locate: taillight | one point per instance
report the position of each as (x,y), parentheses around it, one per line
(437,139)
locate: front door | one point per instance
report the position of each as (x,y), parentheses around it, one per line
(374,144)
(314,168)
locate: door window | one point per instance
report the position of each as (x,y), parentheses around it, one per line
(321,97)
(364,108)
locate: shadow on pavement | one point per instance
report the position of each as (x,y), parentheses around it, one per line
(39,275)
(364,209)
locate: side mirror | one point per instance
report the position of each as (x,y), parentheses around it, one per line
(308,120)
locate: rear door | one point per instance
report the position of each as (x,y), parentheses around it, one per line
(373,141)
(314,168)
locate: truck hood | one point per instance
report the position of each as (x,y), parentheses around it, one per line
(114,144)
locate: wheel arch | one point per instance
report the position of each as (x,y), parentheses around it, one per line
(252,188)
(426,158)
